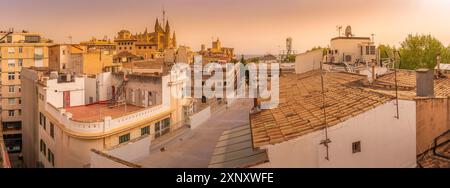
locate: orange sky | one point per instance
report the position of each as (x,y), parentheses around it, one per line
(250,26)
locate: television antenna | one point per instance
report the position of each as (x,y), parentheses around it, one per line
(327,140)
(70,38)
(339,29)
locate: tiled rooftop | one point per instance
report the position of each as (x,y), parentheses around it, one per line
(406,81)
(300,109)
(96,112)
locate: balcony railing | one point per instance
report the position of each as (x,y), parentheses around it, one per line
(107,124)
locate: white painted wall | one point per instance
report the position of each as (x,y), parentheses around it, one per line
(200,117)
(138,149)
(166,90)
(308,61)
(104,86)
(351,47)
(379,71)
(55,92)
(98,161)
(90,89)
(385,142)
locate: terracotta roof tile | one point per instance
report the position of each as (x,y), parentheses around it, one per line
(406,81)
(301,112)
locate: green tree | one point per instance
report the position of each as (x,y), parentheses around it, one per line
(290,58)
(420,51)
(386,51)
(445,55)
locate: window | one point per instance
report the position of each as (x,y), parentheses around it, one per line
(20,50)
(348,58)
(11,63)
(52,130)
(145,130)
(11,89)
(11,76)
(372,50)
(124,138)
(367,50)
(38,53)
(42,146)
(11,101)
(10,113)
(20,101)
(203,99)
(20,112)
(356,147)
(20,62)
(11,50)
(162,127)
(51,157)
(42,120)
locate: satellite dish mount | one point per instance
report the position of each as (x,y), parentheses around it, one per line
(348,31)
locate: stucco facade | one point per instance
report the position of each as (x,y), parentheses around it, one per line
(19,50)
(385,142)
(67,131)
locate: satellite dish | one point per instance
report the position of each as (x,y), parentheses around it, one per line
(348,31)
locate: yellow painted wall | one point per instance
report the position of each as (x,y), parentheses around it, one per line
(94,62)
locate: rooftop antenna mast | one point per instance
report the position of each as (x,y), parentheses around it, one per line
(327,140)
(164,16)
(396,83)
(70,38)
(339,29)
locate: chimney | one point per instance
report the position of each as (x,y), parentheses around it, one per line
(425,82)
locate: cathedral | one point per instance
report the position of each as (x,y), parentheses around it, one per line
(147,45)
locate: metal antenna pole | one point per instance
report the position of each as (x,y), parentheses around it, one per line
(396,89)
(327,140)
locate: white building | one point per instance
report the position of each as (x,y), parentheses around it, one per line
(117,114)
(363,130)
(308,61)
(351,50)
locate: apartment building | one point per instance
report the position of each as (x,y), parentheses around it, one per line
(17,50)
(118,113)
(80,59)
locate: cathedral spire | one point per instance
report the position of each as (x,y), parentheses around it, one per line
(174,40)
(157,26)
(167,29)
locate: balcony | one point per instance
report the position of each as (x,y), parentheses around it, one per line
(104,122)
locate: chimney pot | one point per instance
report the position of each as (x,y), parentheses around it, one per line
(425,82)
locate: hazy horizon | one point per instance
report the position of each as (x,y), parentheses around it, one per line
(251,27)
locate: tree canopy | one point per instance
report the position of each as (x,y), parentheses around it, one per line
(417,51)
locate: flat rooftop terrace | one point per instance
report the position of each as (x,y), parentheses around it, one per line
(96,112)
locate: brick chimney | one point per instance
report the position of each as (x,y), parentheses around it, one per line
(425,82)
